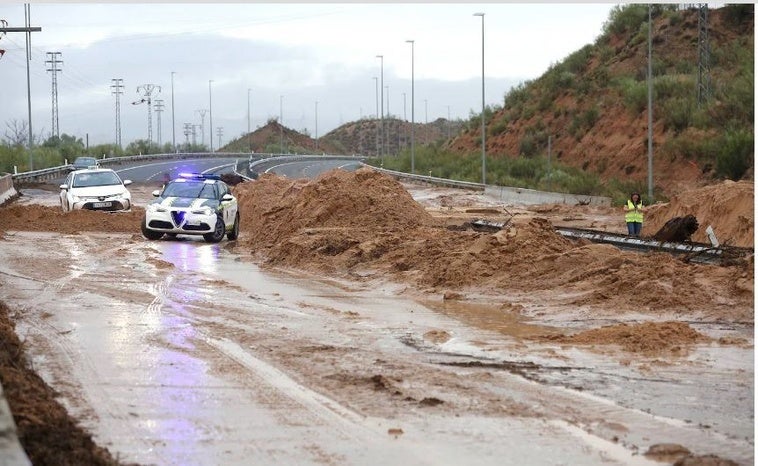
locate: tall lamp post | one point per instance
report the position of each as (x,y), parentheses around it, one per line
(173,124)
(317,126)
(413,111)
(650,103)
(210,107)
(383,137)
(484,150)
(249,140)
(281,124)
(376,85)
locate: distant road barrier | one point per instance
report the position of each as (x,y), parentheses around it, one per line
(504,193)
(47,174)
(7,191)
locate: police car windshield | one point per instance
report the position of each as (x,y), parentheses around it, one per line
(84,180)
(189,189)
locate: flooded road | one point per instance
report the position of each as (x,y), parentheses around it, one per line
(182,352)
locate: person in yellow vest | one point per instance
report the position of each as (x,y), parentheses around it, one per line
(634,214)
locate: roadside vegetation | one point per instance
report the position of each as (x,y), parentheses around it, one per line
(54,151)
(522,172)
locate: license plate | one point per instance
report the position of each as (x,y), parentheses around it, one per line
(101,204)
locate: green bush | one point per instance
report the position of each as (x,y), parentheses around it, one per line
(734,153)
(677,114)
(625,18)
(634,94)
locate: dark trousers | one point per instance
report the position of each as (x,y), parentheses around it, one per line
(635,228)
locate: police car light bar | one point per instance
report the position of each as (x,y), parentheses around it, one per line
(200,176)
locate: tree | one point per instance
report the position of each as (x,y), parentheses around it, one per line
(17,133)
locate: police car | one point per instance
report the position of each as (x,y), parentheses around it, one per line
(193,204)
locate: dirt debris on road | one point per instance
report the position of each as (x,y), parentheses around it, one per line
(365,226)
(365,223)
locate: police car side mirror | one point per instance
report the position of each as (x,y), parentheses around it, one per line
(227,197)
(127,182)
(156,193)
(64,187)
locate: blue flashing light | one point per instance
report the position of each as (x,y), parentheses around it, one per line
(200,176)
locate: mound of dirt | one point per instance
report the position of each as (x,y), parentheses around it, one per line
(33,217)
(729,207)
(365,223)
(647,337)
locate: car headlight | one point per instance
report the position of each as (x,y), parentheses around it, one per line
(75,198)
(203,211)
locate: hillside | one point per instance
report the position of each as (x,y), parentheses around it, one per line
(267,139)
(594,103)
(362,136)
(357,137)
(593,107)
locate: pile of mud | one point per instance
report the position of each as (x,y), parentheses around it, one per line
(365,224)
(729,207)
(33,217)
(646,337)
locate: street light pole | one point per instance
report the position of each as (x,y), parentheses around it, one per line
(317,125)
(210,107)
(281,124)
(413,110)
(376,85)
(173,123)
(383,137)
(649,103)
(249,140)
(484,150)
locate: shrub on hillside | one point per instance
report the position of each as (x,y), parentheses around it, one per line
(677,114)
(734,153)
(634,94)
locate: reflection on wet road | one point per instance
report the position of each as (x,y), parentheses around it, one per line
(181,352)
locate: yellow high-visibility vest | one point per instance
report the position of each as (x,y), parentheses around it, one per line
(633,215)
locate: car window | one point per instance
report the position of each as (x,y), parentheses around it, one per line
(209,191)
(83,180)
(183,189)
(85,161)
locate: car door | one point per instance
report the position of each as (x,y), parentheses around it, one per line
(64,193)
(230,207)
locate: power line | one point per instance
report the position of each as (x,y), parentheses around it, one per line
(117,88)
(159,110)
(147,90)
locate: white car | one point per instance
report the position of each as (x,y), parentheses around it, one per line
(193,204)
(95,189)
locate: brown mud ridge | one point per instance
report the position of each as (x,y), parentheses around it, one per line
(362,224)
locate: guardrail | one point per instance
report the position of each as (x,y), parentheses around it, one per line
(431,180)
(47,174)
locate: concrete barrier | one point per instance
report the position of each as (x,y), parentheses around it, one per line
(525,196)
(7,191)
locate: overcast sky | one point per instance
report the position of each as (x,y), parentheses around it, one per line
(289,55)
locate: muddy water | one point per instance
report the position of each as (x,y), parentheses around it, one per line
(181,352)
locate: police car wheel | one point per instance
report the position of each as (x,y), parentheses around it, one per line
(218,232)
(234,234)
(148,233)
